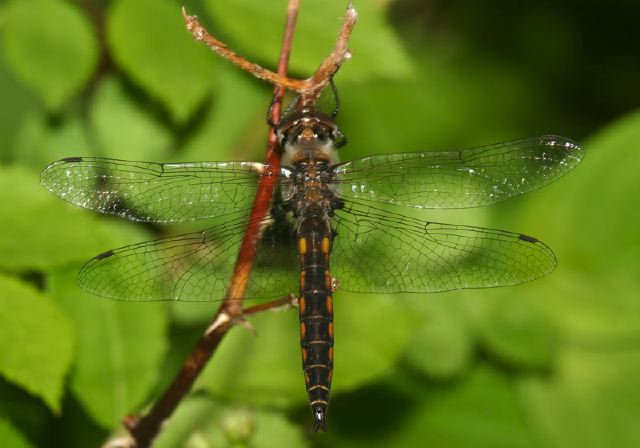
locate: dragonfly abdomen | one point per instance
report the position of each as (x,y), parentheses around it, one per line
(316,312)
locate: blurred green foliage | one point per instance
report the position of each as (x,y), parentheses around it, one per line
(552,363)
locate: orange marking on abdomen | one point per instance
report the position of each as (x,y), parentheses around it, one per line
(302,303)
(325,246)
(303,278)
(303,330)
(330,329)
(327,279)
(329,305)
(331,354)
(302,245)
(305,355)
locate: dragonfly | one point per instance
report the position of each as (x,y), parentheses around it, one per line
(330,223)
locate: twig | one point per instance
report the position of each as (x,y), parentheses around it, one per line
(281,304)
(309,89)
(200,33)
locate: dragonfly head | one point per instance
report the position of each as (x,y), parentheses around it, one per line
(306,126)
(308,133)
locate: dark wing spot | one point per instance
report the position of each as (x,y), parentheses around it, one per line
(72,159)
(104,255)
(528,239)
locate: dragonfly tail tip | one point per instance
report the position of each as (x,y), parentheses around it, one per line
(319,424)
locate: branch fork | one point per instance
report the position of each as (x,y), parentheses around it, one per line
(309,89)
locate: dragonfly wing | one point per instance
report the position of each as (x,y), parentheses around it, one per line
(192,267)
(153,192)
(276,267)
(459,179)
(383,252)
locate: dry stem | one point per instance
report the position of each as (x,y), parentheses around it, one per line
(309,89)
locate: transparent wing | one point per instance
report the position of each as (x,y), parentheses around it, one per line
(459,179)
(383,252)
(153,192)
(196,266)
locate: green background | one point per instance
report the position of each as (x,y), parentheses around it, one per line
(554,363)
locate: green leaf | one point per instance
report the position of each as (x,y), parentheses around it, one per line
(56,64)
(17,102)
(517,332)
(482,410)
(188,422)
(372,332)
(201,421)
(266,368)
(443,346)
(123,129)
(590,222)
(273,429)
(39,231)
(428,112)
(120,349)
(234,125)
(255,29)
(149,41)
(596,215)
(187,416)
(36,339)
(10,437)
(39,143)
(591,400)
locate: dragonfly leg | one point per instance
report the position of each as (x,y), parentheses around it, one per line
(276,97)
(336,99)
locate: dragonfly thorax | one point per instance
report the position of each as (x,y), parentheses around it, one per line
(311,188)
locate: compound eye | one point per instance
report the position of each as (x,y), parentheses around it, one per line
(322,132)
(339,140)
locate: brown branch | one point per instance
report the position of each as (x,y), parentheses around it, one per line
(309,89)
(201,34)
(334,61)
(284,303)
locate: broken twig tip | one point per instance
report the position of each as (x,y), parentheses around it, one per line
(187,18)
(222,319)
(351,10)
(121,442)
(246,325)
(193,25)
